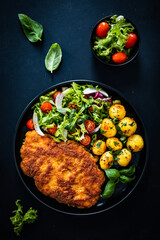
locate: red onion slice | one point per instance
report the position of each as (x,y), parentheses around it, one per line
(93,90)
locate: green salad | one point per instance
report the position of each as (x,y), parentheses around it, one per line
(70,110)
(114,39)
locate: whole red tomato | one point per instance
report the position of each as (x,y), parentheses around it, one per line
(102,29)
(46,107)
(132,39)
(30,124)
(119,57)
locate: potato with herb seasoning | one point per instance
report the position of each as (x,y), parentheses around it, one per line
(114,143)
(135,143)
(117,111)
(124,157)
(106,160)
(108,129)
(127,126)
(99,147)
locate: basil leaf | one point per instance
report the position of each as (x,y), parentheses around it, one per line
(128,172)
(112,174)
(53,57)
(125,179)
(109,189)
(32,29)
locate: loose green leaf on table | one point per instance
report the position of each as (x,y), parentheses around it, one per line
(32,29)
(53,57)
(19,219)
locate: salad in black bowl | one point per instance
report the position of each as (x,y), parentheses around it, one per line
(115,40)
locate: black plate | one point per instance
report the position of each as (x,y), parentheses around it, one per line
(122,190)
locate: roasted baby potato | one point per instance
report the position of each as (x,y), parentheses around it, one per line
(114,143)
(106,160)
(127,126)
(117,111)
(99,147)
(108,128)
(135,143)
(125,157)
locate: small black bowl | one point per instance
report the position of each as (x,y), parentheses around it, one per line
(133,53)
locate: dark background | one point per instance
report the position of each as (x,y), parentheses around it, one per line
(23,76)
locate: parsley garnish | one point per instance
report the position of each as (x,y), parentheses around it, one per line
(132,124)
(19,219)
(116,143)
(98,144)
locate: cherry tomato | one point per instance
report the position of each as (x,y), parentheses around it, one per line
(56,93)
(46,107)
(86,140)
(119,57)
(132,38)
(72,106)
(30,124)
(90,109)
(102,29)
(53,130)
(89,125)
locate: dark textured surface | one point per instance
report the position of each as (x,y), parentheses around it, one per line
(23,76)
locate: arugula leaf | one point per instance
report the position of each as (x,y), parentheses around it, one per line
(53,57)
(82,118)
(19,219)
(32,29)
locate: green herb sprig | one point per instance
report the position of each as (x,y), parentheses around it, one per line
(114,176)
(19,218)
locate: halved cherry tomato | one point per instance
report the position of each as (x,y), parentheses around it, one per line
(90,109)
(30,124)
(132,38)
(52,130)
(86,140)
(89,125)
(119,57)
(102,29)
(56,93)
(46,107)
(72,106)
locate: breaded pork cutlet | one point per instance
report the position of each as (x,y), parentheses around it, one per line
(64,171)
